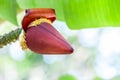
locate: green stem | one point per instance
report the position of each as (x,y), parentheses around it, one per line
(10,37)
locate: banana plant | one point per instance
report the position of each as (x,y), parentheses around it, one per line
(77,14)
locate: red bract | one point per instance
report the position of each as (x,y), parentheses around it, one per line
(37,13)
(40,36)
(45,39)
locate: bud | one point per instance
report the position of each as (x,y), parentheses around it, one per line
(40,36)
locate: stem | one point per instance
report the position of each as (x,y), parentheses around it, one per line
(10,37)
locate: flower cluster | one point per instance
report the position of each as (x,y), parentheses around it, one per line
(40,36)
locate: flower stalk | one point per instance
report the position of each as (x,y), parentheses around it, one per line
(10,37)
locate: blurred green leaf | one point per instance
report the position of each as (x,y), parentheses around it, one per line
(34,57)
(8,10)
(81,13)
(67,77)
(116,78)
(56,4)
(98,78)
(92,13)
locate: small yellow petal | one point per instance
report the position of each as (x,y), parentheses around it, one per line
(39,21)
(23,41)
